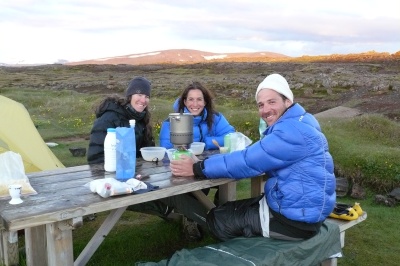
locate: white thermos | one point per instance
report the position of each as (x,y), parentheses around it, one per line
(110,153)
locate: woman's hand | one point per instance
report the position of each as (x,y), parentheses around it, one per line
(183,166)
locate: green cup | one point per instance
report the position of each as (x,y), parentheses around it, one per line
(176,155)
(227,142)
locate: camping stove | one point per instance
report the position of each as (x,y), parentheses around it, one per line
(181,130)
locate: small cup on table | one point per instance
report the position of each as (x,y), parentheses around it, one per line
(15,193)
(223,150)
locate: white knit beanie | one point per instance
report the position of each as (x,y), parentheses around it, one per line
(277,83)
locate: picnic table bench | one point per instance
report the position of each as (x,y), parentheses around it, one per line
(343,226)
(322,249)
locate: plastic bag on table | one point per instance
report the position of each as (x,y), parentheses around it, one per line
(12,171)
(239,141)
(108,187)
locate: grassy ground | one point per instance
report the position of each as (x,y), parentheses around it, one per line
(139,237)
(66,117)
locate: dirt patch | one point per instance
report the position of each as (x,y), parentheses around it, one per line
(69,140)
(340,111)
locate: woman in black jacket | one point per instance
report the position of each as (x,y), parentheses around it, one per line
(115,112)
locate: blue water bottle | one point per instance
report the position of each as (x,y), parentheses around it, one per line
(126,152)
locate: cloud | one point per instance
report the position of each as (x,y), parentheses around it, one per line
(45,31)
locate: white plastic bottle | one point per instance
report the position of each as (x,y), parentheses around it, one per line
(110,153)
(132,123)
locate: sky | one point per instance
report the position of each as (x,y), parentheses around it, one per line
(51,31)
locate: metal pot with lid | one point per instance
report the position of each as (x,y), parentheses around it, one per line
(181,128)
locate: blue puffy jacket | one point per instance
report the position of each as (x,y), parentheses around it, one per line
(294,154)
(219,129)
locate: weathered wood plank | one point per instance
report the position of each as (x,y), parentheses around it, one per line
(35,243)
(344,225)
(59,244)
(227,192)
(57,194)
(99,236)
(330,262)
(3,243)
(256,186)
(203,199)
(78,202)
(62,196)
(9,248)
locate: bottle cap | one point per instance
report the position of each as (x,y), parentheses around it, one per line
(132,122)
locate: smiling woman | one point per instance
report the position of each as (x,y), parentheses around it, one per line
(116,112)
(209,126)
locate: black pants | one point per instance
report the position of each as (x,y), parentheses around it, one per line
(185,204)
(235,218)
(242,218)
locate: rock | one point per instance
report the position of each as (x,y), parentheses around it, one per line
(395,193)
(380,199)
(357,192)
(342,186)
(308,92)
(78,152)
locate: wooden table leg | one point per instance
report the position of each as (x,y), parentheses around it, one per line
(227,192)
(35,245)
(257,186)
(9,248)
(3,243)
(99,236)
(203,199)
(59,243)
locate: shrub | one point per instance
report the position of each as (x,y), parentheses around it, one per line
(366,150)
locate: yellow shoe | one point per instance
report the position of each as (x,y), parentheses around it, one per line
(357,208)
(344,214)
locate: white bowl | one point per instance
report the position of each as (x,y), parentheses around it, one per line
(152,154)
(197,147)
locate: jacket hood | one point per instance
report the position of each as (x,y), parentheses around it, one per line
(111,106)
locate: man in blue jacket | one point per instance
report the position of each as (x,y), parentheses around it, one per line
(300,190)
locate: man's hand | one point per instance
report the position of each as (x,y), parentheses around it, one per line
(183,166)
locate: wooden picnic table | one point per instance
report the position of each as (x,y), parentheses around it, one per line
(47,217)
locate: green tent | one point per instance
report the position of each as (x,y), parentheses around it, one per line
(253,251)
(19,134)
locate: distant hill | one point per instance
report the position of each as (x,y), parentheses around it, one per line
(181,56)
(187,56)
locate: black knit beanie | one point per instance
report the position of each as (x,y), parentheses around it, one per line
(138,85)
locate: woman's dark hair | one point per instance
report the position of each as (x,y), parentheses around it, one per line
(123,102)
(208,99)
